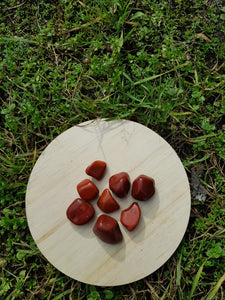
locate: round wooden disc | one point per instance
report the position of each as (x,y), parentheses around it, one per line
(75,250)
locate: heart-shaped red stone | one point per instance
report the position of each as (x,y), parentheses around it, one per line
(120,184)
(107,203)
(108,230)
(143,188)
(130,217)
(87,189)
(96,169)
(80,212)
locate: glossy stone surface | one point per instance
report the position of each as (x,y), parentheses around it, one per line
(107,203)
(143,188)
(119,184)
(96,169)
(80,212)
(107,229)
(130,217)
(87,189)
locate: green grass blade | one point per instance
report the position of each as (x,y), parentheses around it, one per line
(159,75)
(62,294)
(166,290)
(195,282)
(178,279)
(215,289)
(188,163)
(179,271)
(128,77)
(17,39)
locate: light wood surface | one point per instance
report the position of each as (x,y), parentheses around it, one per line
(75,250)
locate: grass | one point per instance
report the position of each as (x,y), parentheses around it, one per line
(160,63)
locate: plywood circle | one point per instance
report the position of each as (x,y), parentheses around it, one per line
(75,250)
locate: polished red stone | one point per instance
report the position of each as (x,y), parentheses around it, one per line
(119,184)
(107,229)
(143,188)
(80,212)
(130,217)
(107,203)
(96,169)
(87,189)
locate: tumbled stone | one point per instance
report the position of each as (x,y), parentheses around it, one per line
(87,189)
(119,184)
(130,217)
(107,229)
(143,188)
(96,169)
(80,212)
(107,203)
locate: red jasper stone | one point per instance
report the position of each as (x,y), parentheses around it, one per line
(120,184)
(143,188)
(108,230)
(80,212)
(87,189)
(130,217)
(96,169)
(107,203)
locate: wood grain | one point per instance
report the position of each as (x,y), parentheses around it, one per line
(75,250)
